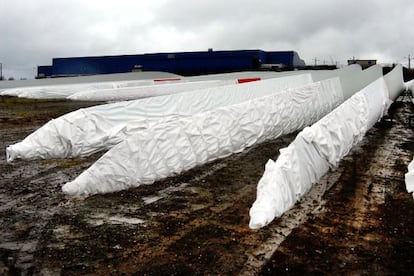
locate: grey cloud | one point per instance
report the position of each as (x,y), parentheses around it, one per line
(33,33)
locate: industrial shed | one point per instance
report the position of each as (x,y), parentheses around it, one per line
(183,63)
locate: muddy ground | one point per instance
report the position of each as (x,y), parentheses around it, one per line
(358,220)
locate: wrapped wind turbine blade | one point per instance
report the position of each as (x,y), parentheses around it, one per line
(62,91)
(168,148)
(133,93)
(409,178)
(116,77)
(314,151)
(395,82)
(98,128)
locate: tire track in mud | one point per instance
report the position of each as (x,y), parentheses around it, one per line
(28,201)
(29,190)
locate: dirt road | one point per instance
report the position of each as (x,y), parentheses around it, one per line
(358,219)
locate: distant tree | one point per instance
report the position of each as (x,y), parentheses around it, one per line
(11,78)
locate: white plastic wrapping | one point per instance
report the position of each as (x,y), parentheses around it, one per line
(168,148)
(97,128)
(409,178)
(352,77)
(62,91)
(145,91)
(395,82)
(246,74)
(367,76)
(314,150)
(58,88)
(409,86)
(348,75)
(131,76)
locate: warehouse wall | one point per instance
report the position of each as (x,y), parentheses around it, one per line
(183,63)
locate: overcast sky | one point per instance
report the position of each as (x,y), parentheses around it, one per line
(33,32)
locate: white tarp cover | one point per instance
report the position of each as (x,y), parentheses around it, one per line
(409,86)
(132,93)
(314,151)
(367,76)
(93,129)
(348,75)
(246,74)
(395,82)
(58,88)
(62,91)
(97,128)
(131,76)
(409,178)
(318,75)
(168,148)
(352,77)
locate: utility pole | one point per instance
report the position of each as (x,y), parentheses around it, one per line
(316,60)
(409,61)
(1,71)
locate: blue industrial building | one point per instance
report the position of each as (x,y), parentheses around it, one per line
(182,63)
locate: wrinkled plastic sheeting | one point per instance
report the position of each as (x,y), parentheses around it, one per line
(409,86)
(98,128)
(318,75)
(395,82)
(409,178)
(187,84)
(59,88)
(346,75)
(367,76)
(165,149)
(64,90)
(352,77)
(246,74)
(93,129)
(130,76)
(133,93)
(314,151)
